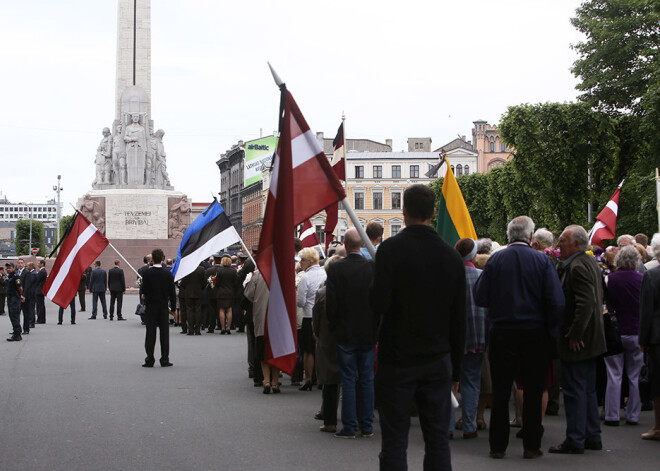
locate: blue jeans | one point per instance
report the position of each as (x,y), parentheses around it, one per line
(356,364)
(470,387)
(580,401)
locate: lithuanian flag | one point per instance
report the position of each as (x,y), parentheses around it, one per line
(454,221)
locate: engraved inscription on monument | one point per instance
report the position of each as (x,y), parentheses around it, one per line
(128,217)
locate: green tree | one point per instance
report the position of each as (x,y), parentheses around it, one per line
(555,145)
(619,57)
(23,237)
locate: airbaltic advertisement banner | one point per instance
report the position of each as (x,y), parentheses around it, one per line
(258,153)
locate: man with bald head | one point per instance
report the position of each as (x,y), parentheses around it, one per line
(351,317)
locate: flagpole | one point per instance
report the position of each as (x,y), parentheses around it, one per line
(247,251)
(358,226)
(343,126)
(122,257)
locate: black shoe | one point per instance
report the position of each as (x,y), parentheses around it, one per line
(276,390)
(228,332)
(15,338)
(318,416)
(26,332)
(566,449)
(532,454)
(121,318)
(612,423)
(468,435)
(498,455)
(306,387)
(91,318)
(147,364)
(189,333)
(328,428)
(111,318)
(73,323)
(165,364)
(105,317)
(59,323)
(183,332)
(266,389)
(597,446)
(630,422)
(82,310)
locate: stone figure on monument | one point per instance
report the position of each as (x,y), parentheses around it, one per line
(162,179)
(149,175)
(136,145)
(179,218)
(118,157)
(94,211)
(103,153)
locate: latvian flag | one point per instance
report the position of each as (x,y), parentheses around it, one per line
(209,233)
(308,235)
(605,226)
(301,165)
(79,247)
(339,167)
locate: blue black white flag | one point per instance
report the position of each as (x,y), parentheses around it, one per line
(209,233)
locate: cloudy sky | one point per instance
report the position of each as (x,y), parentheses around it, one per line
(396,69)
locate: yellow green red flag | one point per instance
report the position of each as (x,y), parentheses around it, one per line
(454,221)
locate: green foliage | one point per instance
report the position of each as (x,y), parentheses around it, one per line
(23,237)
(619,57)
(65,222)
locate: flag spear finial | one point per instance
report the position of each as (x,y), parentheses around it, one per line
(276,77)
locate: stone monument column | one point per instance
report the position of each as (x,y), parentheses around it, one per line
(133,49)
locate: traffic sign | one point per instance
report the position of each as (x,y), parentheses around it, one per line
(35,250)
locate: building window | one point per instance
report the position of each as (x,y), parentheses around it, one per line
(452,169)
(466,170)
(394,229)
(491,147)
(414,171)
(396,171)
(502,147)
(359,171)
(396,200)
(378,171)
(378,199)
(359,200)
(459,170)
(320,235)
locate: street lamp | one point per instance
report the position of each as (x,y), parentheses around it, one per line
(58,188)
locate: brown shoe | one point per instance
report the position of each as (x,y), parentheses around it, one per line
(651,435)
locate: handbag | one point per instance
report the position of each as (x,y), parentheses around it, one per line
(140,310)
(612,334)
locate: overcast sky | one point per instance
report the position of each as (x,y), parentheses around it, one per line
(397,70)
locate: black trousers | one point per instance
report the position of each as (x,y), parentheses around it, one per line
(119,297)
(2,301)
(41,309)
(530,351)
(81,298)
(72,307)
(183,318)
(14,308)
(330,403)
(193,314)
(95,298)
(213,316)
(27,308)
(160,321)
(396,388)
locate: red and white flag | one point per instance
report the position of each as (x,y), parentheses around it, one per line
(301,166)
(605,227)
(308,235)
(81,245)
(339,167)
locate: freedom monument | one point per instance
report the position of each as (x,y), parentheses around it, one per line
(132,200)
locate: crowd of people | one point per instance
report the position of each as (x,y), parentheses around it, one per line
(421,322)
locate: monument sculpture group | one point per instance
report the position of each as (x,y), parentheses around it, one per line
(132,200)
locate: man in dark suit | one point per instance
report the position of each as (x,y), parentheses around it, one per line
(98,283)
(351,318)
(82,287)
(117,287)
(22,274)
(649,340)
(30,292)
(419,290)
(580,341)
(157,290)
(3,290)
(191,287)
(521,290)
(42,274)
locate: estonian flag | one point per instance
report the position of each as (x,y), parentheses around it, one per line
(209,233)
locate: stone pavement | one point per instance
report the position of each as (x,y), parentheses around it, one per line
(76,398)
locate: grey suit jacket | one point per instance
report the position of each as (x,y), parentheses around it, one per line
(649,306)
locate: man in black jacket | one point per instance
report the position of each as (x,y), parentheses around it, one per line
(42,274)
(350,316)
(117,287)
(419,290)
(30,293)
(98,283)
(157,290)
(190,300)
